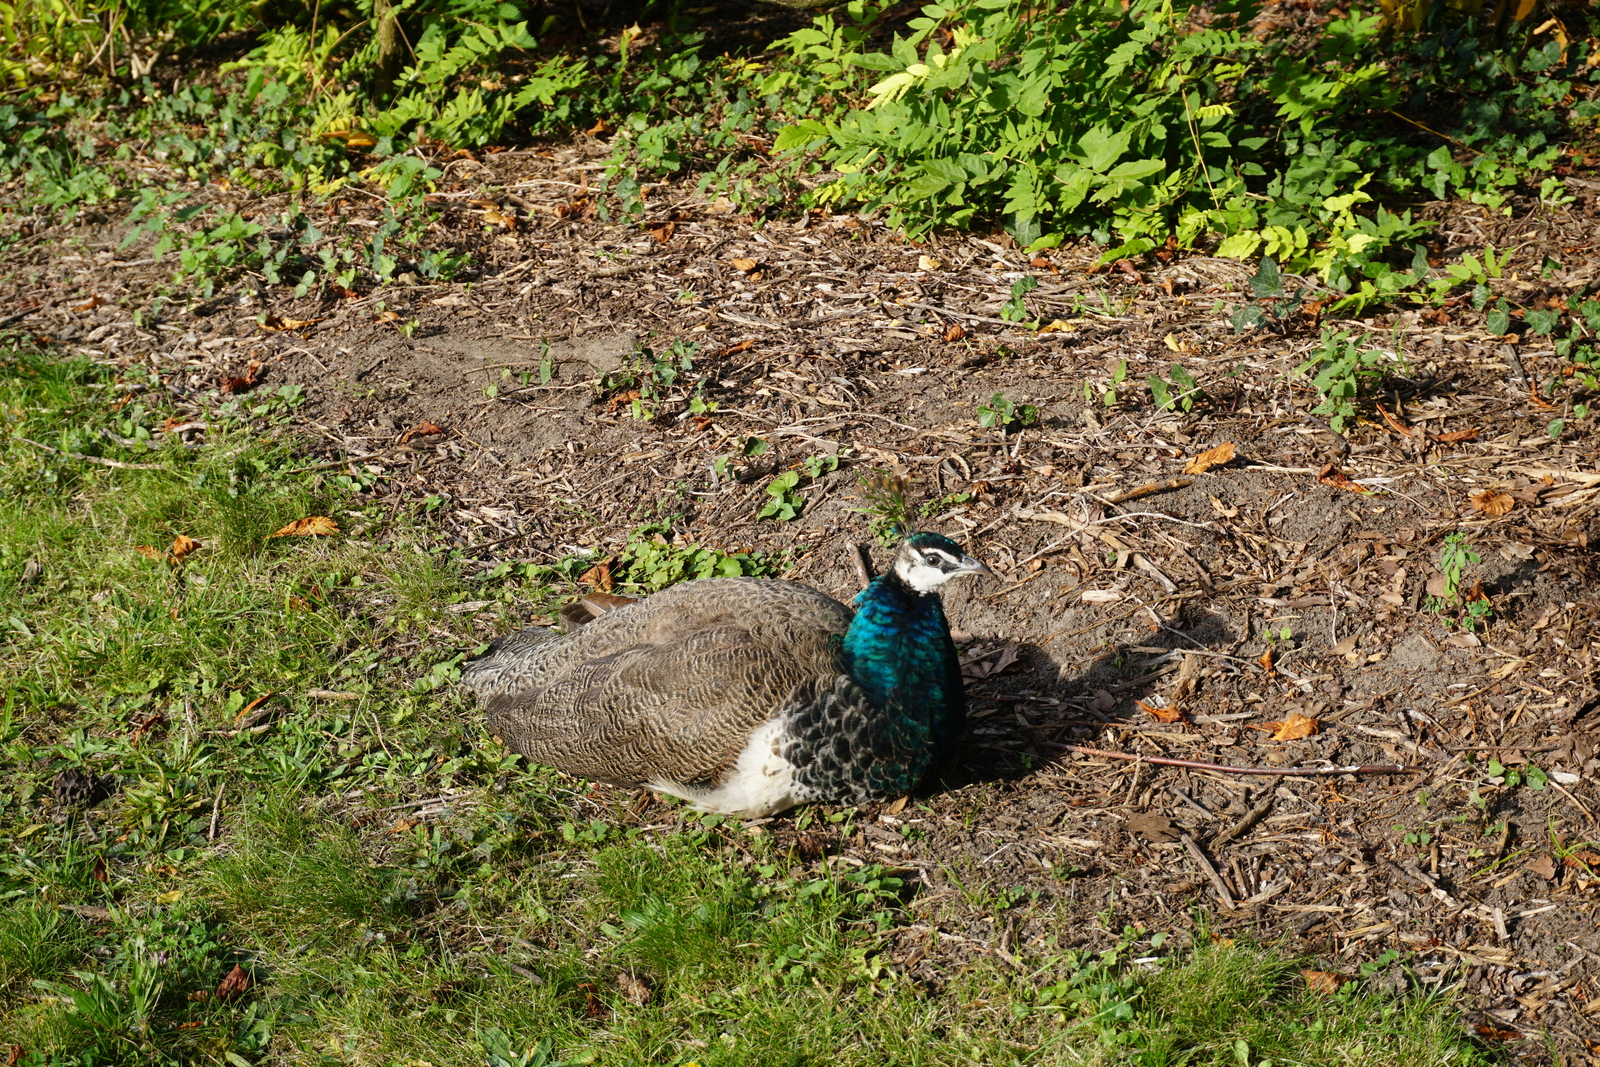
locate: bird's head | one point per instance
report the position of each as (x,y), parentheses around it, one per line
(926,561)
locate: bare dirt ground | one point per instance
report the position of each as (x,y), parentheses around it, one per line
(1113,611)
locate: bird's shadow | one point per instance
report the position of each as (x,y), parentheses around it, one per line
(1018,722)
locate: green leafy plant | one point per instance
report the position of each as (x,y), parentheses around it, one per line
(784,500)
(1342,372)
(887,509)
(652,561)
(1003,413)
(1015,309)
(1109,395)
(1456,554)
(1183,394)
(652,376)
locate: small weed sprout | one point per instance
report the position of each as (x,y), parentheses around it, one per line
(1471,609)
(652,376)
(784,500)
(1010,417)
(1015,309)
(1182,394)
(1107,396)
(1344,371)
(888,511)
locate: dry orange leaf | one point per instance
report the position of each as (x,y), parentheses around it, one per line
(237,981)
(311,526)
(743,346)
(1168,715)
(1325,982)
(1492,503)
(1394,423)
(743,264)
(1330,476)
(1266,661)
(421,429)
(277,324)
(1455,437)
(245,382)
(182,545)
(252,706)
(663,232)
(1493,1033)
(1296,727)
(1211,457)
(599,575)
(954,332)
(1056,326)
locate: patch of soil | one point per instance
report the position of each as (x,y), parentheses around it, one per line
(1291,579)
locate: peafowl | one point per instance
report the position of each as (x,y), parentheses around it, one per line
(744,696)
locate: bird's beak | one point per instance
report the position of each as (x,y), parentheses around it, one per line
(973,566)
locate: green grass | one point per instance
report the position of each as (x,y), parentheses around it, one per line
(513,919)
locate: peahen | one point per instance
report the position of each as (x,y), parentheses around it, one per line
(745,696)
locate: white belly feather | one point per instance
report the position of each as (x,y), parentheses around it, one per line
(761,782)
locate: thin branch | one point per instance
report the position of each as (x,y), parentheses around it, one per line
(1280,772)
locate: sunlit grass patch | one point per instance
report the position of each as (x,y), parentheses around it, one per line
(246,818)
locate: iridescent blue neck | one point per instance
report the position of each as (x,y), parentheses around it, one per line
(898,650)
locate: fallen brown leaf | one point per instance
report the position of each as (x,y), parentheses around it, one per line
(663,232)
(1543,866)
(740,263)
(1157,828)
(1490,1032)
(1168,714)
(1492,503)
(594,1009)
(1325,982)
(278,324)
(637,992)
(1211,457)
(743,346)
(1455,437)
(1582,861)
(1266,661)
(311,526)
(1295,728)
(1329,476)
(600,575)
(146,550)
(182,545)
(236,982)
(954,332)
(245,382)
(421,429)
(627,396)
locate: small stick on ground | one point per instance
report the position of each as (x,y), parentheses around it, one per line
(1281,772)
(1204,864)
(861,559)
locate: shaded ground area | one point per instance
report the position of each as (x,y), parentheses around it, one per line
(1291,579)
